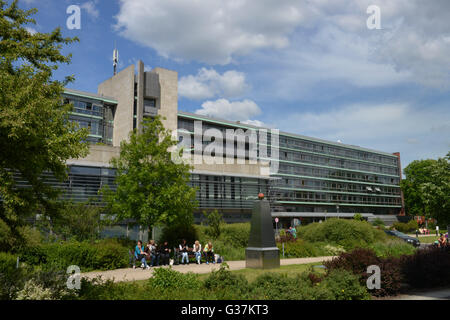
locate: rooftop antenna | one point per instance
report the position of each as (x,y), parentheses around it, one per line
(115,58)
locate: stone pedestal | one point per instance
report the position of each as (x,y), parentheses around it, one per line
(262,252)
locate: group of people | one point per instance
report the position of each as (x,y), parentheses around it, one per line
(442,241)
(160,254)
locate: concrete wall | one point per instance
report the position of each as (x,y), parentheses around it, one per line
(98,156)
(121,87)
(140,95)
(168,101)
(247,169)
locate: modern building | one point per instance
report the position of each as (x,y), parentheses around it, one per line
(313,178)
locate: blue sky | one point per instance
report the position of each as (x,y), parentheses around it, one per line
(308,67)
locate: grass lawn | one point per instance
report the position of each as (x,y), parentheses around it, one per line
(428,239)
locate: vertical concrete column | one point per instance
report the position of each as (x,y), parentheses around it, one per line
(168,101)
(140,95)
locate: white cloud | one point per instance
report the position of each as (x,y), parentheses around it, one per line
(231,110)
(31,30)
(209,83)
(211,31)
(387,127)
(316,36)
(256,123)
(91,9)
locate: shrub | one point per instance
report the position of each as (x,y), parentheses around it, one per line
(27,237)
(347,233)
(378,223)
(237,234)
(334,250)
(302,249)
(276,286)
(411,226)
(344,285)
(33,290)
(357,262)
(173,234)
(393,248)
(168,279)
(7,262)
(227,285)
(103,255)
(61,255)
(214,220)
(79,221)
(358,217)
(228,251)
(427,268)
(111,255)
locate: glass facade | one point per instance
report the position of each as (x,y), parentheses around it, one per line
(227,192)
(95,115)
(320,176)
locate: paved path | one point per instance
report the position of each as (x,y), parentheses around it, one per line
(130,274)
(439,294)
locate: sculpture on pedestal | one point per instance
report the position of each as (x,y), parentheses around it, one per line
(262,251)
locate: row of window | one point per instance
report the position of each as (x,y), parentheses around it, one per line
(334,186)
(84,107)
(315,147)
(335,174)
(337,151)
(333,162)
(327,197)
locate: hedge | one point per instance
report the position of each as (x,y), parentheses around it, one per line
(103,255)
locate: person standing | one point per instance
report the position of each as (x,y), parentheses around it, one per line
(437,230)
(184,252)
(197,249)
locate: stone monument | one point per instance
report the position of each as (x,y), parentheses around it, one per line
(262,252)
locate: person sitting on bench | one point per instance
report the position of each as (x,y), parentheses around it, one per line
(164,253)
(140,255)
(154,253)
(209,253)
(184,252)
(197,249)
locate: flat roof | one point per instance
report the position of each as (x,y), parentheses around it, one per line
(90,95)
(287,134)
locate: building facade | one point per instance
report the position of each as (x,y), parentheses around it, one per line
(313,178)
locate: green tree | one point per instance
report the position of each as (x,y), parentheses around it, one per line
(426,188)
(35,134)
(151,188)
(214,221)
(416,173)
(80,221)
(436,192)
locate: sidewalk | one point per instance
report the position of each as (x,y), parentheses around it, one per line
(436,294)
(130,274)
